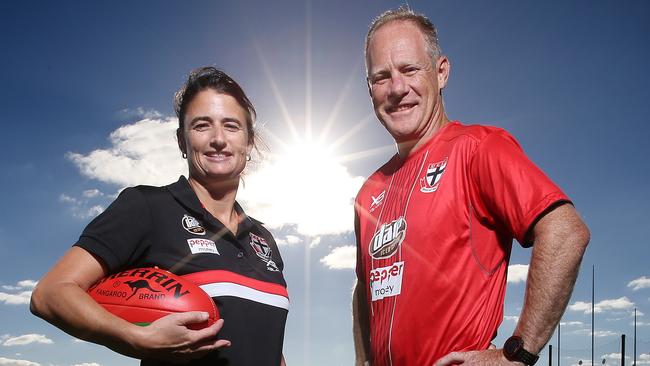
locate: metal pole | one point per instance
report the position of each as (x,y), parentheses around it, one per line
(558,344)
(550,355)
(634,364)
(622,349)
(593,277)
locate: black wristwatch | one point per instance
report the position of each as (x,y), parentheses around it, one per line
(514,350)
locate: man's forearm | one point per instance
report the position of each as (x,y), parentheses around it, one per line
(560,239)
(360,326)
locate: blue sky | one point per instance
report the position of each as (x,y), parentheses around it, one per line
(567,78)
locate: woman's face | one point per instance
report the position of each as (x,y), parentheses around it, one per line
(215,136)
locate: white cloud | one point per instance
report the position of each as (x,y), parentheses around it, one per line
(572,324)
(27,339)
(140,112)
(20,298)
(27,283)
(144,152)
(87,364)
(90,193)
(643,359)
(341,258)
(622,303)
(288,240)
(639,283)
(79,207)
(513,318)
(517,273)
(11,362)
(21,285)
(597,333)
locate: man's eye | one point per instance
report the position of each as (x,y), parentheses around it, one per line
(379,79)
(409,71)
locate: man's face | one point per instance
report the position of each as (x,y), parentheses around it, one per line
(403,82)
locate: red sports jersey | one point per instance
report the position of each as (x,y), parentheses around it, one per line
(435,233)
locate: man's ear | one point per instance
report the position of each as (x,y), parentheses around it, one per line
(443,68)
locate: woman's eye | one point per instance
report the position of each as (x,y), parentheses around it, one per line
(232,127)
(202,126)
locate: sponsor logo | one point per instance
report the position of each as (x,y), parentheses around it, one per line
(155,282)
(139,285)
(192,225)
(387,239)
(386,281)
(430,182)
(261,248)
(376,201)
(271,266)
(202,246)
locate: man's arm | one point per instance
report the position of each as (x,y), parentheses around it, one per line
(560,238)
(360,324)
(61,298)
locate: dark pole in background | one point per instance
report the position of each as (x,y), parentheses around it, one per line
(593,276)
(558,344)
(622,349)
(550,355)
(634,364)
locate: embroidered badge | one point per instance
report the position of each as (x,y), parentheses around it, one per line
(430,182)
(192,225)
(261,248)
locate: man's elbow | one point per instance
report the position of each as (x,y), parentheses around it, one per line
(36,302)
(579,235)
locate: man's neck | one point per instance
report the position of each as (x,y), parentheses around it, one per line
(408,147)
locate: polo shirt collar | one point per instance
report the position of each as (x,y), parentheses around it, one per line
(182,191)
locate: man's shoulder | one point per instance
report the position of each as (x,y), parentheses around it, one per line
(377,178)
(477,132)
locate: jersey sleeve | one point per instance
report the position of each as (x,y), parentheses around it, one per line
(118,236)
(511,192)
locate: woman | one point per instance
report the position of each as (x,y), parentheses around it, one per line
(193,226)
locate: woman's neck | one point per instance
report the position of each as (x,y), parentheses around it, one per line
(219,200)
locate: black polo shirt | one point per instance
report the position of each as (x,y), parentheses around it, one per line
(169,228)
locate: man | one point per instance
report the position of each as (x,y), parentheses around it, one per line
(435,224)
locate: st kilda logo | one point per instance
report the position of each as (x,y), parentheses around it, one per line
(261,247)
(430,182)
(192,225)
(387,239)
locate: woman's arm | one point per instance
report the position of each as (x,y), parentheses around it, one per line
(61,299)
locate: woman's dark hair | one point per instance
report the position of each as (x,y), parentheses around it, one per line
(212,78)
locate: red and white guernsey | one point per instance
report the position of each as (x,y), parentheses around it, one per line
(434,238)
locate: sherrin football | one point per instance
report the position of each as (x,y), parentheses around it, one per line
(142,295)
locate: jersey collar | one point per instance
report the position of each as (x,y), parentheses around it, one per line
(183,193)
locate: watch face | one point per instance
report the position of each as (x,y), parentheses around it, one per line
(512,347)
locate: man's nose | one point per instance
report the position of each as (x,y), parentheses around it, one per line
(398,86)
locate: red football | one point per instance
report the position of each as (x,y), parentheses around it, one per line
(142,295)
